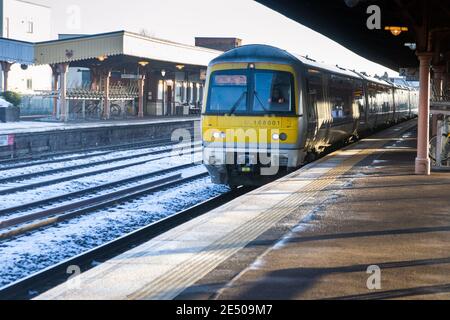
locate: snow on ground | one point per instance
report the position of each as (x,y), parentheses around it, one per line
(32,252)
(10,200)
(30,168)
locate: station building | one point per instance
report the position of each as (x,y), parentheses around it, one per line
(23,23)
(102,76)
(112,75)
(123,74)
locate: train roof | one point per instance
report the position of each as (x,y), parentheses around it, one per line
(373,79)
(266,53)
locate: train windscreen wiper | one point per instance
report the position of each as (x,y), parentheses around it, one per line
(259,100)
(233,109)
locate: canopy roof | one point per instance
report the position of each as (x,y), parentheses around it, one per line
(120,43)
(16,51)
(345,21)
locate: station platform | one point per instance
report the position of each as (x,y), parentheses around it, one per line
(43,126)
(310,235)
(33,138)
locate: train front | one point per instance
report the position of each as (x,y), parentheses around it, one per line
(250,123)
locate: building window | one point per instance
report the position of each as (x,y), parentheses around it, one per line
(29,84)
(30,27)
(7,27)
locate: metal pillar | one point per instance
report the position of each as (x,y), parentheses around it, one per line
(423,159)
(141,83)
(107,104)
(438,81)
(6,67)
(163,98)
(95,75)
(55,88)
(63,107)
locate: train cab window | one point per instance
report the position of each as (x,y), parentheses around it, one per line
(251,92)
(228,92)
(273,92)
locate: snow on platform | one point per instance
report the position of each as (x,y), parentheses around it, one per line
(43,126)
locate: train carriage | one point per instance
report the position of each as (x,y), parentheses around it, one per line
(266,112)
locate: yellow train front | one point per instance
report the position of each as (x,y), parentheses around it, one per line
(250,116)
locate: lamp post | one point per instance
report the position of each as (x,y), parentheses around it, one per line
(163,74)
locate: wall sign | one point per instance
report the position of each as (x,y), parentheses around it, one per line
(6,140)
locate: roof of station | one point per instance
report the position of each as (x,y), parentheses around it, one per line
(120,43)
(345,21)
(16,51)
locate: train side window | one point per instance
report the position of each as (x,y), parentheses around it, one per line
(374,97)
(341,97)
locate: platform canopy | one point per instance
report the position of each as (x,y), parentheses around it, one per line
(345,21)
(409,34)
(120,43)
(14,51)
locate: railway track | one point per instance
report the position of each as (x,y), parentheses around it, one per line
(39,282)
(22,164)
(118,147)
(33,221)
(88,191)
(26,176)
(30,186)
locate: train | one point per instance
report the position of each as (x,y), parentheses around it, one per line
(266,112)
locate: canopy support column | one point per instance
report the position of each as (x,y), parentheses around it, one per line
(54,89)
(141,83)
(6,67)
(106,102)
(63,108)
(438,80)
(423,160)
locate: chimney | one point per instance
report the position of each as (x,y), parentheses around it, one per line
(221,44)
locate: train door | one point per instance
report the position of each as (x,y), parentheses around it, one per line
(315,100)
(359,106)
(341,97)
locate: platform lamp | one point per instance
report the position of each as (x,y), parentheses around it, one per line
(163,74)
(143,64)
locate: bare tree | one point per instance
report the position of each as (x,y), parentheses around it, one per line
(147,33)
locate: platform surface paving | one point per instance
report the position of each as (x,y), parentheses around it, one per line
(310,235)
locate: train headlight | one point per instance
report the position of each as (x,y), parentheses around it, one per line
(219,135)
(283,137)
(275,136)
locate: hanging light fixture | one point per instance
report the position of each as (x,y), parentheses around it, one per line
(143,63)
(163,73)
(396,30)
(102,57)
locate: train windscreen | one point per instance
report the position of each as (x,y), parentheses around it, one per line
(251,92)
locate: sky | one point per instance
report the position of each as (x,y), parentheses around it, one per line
(182,21)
